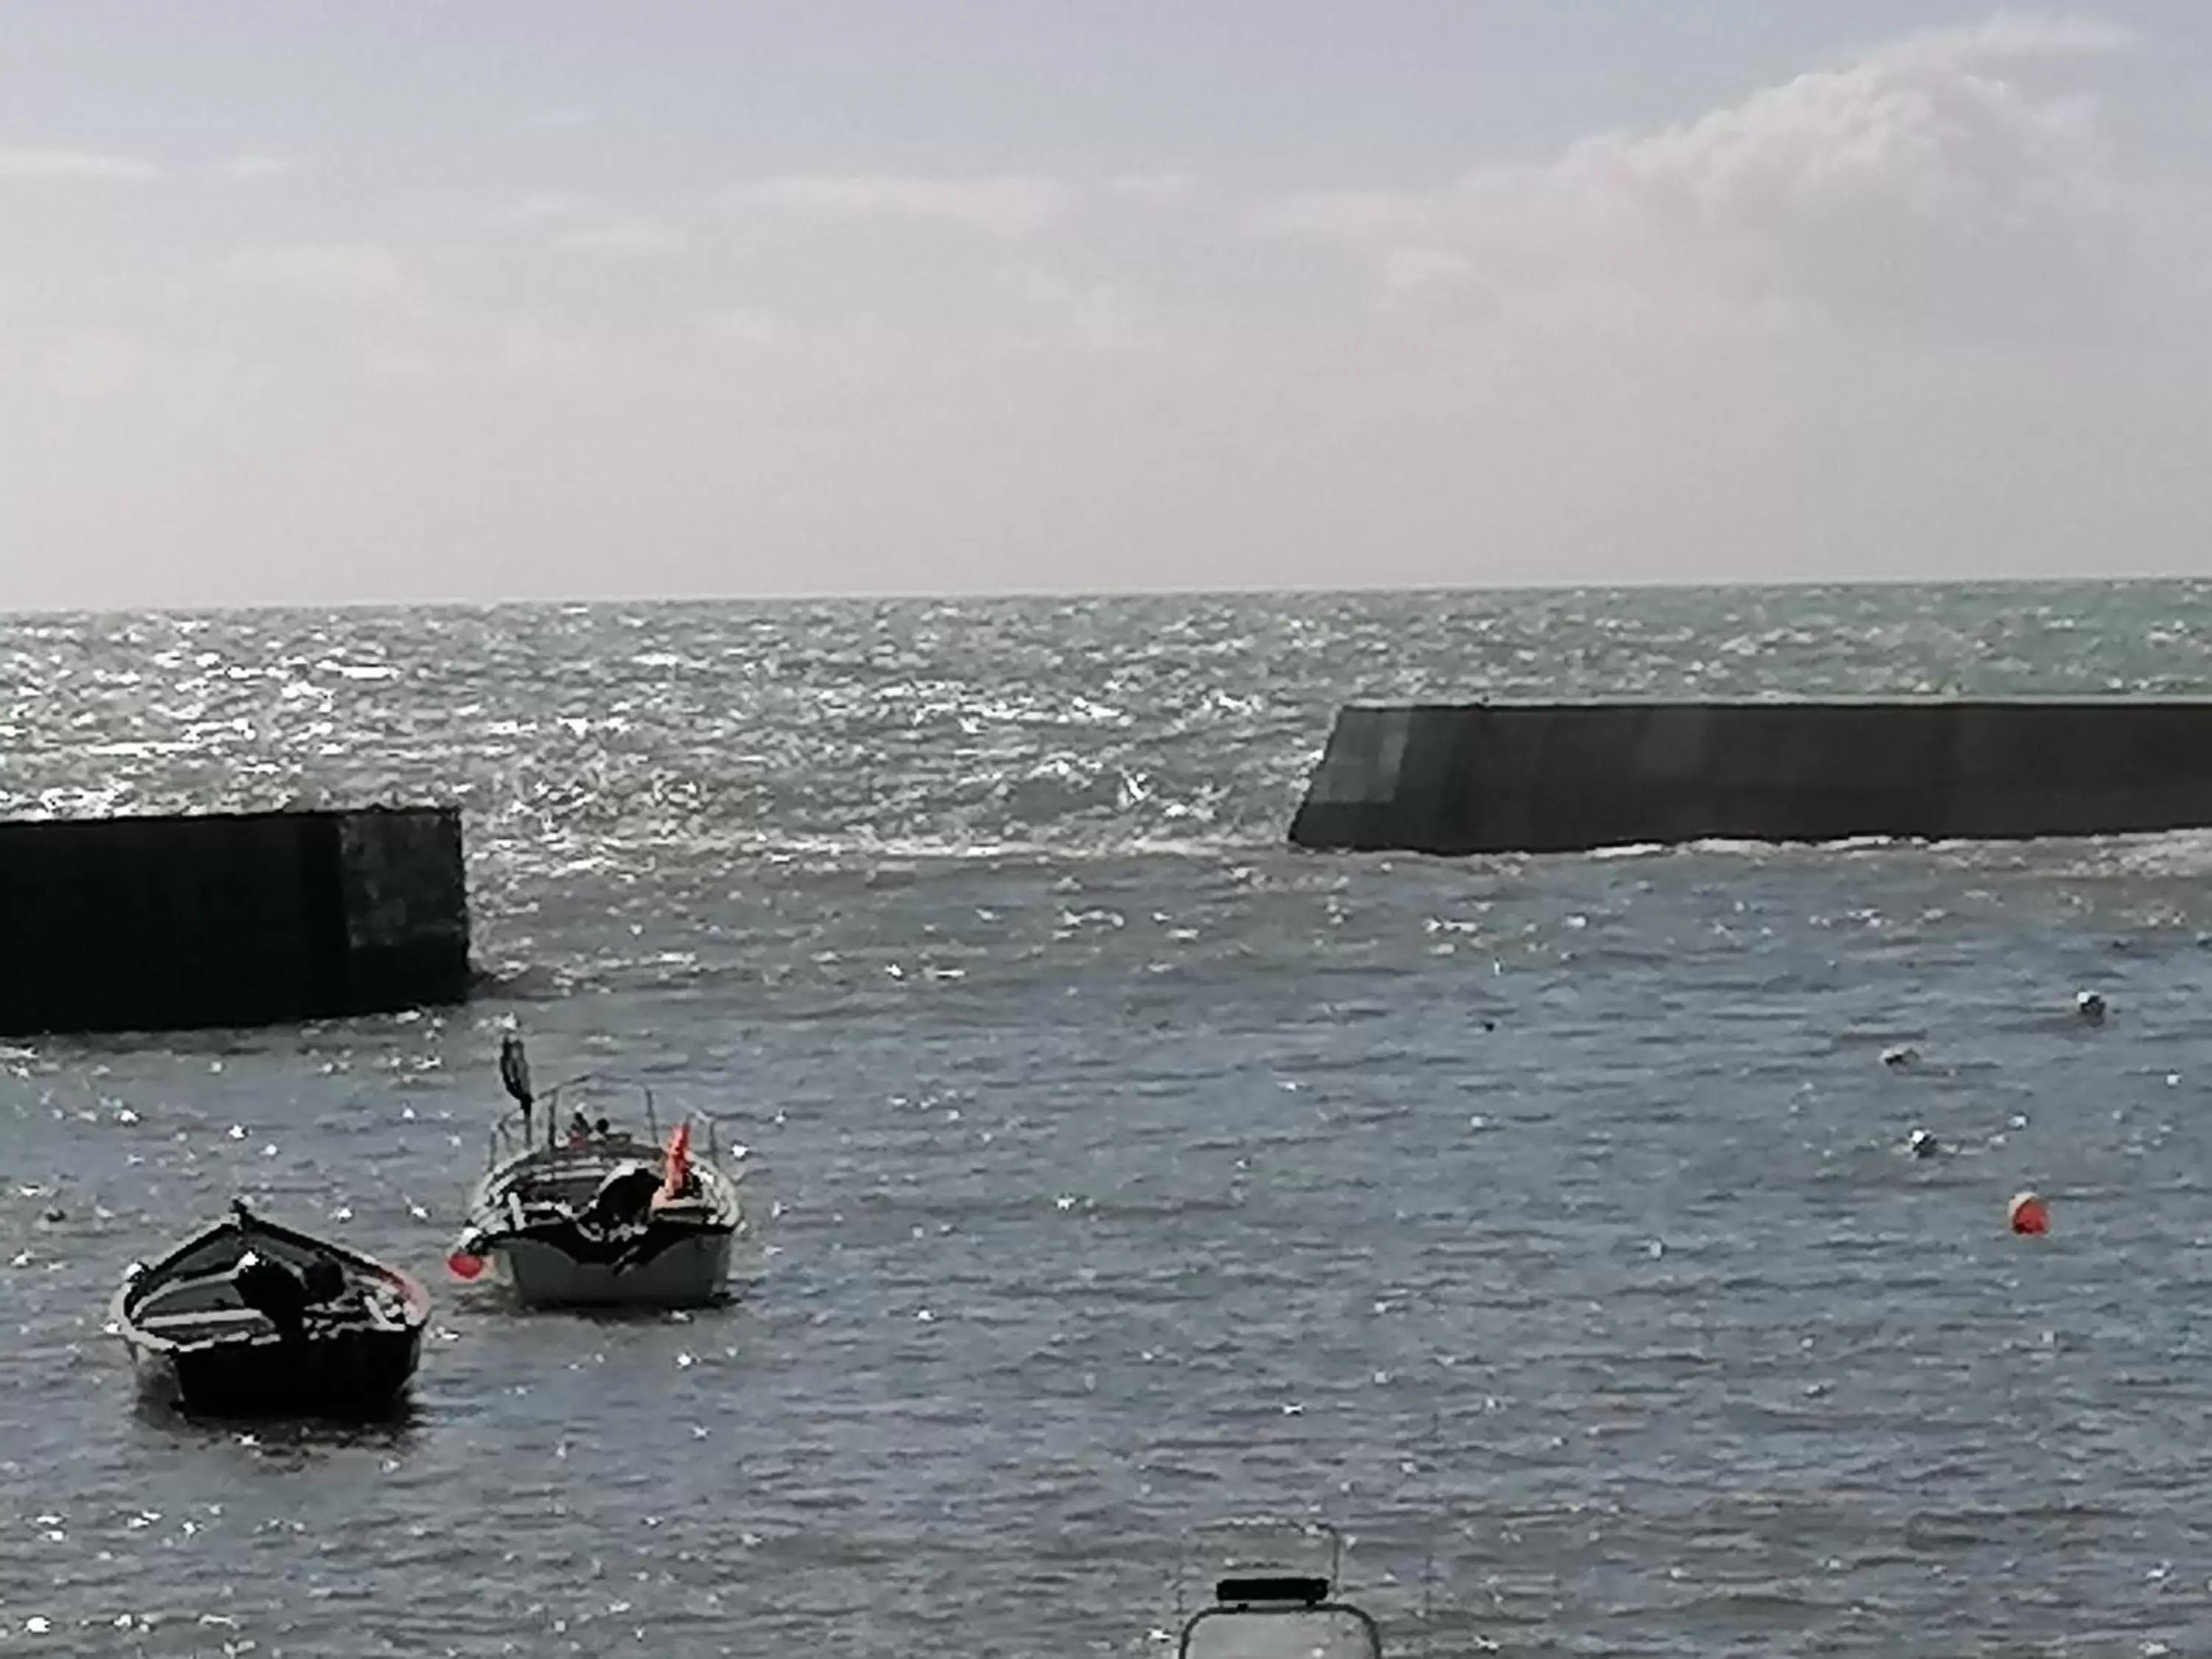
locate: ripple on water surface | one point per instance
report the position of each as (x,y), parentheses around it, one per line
(1541,1221)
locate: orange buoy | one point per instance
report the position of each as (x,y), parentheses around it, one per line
(2030,1214)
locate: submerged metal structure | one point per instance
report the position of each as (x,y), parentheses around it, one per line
(169,923)
(1461,779)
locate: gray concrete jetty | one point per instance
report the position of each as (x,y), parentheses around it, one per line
(173,923)
(1458,778)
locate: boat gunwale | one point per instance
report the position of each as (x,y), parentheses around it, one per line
(414,1293)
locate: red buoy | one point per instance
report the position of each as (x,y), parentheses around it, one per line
(2030,1214)
(465,1265)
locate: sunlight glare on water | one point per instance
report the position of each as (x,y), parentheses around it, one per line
(1543,1220)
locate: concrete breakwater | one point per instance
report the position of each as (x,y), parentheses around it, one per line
(1458,778)
(167,923)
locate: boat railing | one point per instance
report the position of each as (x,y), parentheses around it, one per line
(521,1130)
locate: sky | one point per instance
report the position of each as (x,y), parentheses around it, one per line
(312,302)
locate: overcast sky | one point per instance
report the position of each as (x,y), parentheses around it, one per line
(304,300)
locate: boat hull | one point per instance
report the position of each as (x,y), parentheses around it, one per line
(688,1272)
(353,1373)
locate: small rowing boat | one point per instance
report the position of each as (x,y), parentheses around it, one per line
(251,1319)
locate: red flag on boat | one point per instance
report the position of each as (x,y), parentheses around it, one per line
(679,1162)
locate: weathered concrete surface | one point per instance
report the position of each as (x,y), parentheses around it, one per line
(1565,777)
(172,923)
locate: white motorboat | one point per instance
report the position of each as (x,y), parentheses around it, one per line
(1275,1615)
(599,1214)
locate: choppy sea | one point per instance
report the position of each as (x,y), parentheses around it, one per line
(1118,1176)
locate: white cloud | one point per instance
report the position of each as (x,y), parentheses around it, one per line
(542,207)
(256,169)
(397,365)
(535,346)
(750,325)
(628,239)
(1915,187)
(352,272)
(571,117)
(94,364)
(577,225)
(1089,315)
(1006,205)
(2005,36)
(1412,270)
(74,166)
(1161,187)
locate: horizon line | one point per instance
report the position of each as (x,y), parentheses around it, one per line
(797,596)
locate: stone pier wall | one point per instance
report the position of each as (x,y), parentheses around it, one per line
(173,923)
(1459,779)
